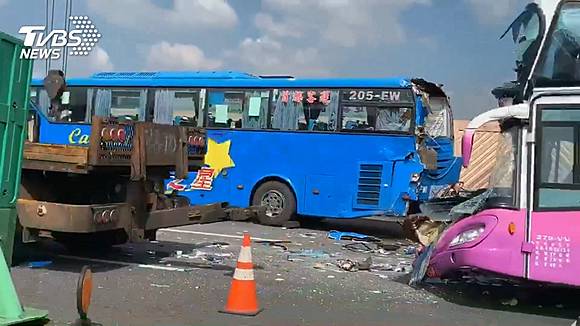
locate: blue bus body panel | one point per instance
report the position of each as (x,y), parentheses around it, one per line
(447,172)
(325,185)
(62,133)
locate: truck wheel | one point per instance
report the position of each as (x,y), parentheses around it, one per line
(279,202)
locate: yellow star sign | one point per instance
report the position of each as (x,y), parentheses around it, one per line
(218,156)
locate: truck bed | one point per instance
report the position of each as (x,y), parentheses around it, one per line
(59,158)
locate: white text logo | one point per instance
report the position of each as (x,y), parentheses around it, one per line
(79,41)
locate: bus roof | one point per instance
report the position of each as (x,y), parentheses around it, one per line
(225,79)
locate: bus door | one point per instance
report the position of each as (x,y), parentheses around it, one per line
(553,230)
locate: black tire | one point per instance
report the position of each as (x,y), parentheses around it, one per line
(279,195)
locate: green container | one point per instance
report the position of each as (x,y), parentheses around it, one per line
(15,77)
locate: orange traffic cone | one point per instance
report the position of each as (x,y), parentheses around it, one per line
(242,299)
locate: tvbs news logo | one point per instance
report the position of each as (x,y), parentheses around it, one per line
(51,45)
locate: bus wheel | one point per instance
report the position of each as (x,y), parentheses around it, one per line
(278,200)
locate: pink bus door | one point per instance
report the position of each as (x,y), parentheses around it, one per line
(553,245)
(554,255)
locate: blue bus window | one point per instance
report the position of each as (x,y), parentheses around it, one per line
(129,104)
(246,109)
(304,109)
(373,118)
(186,105)
(73,107)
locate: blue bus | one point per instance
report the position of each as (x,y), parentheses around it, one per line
(328,148)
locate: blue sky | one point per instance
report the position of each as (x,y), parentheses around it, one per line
(453,42)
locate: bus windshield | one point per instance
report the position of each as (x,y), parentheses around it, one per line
(438,121)
(526,31)
(560,63)
(502,179)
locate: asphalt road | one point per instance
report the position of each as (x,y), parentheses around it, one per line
(151,284)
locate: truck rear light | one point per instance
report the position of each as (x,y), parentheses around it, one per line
(122,135)
(113,134)
(105,133)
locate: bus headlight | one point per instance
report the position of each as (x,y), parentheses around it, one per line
(415,177)
(467,236)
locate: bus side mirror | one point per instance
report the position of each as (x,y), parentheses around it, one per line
(467,146)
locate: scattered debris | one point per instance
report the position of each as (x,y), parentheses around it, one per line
(366,264)
(207,256)
(380,249)
(338,235)
(279,244)
(215,244)
(402,268)
(159,285)
(164,268)
(347,265)
(382,268)
(420,266)
(39,264)
(410,250)
(511,302)
(310,253)
(319,265)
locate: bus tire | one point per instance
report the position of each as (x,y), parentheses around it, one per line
(279,201)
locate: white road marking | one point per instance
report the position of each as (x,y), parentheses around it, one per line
(163,268)
(215,234)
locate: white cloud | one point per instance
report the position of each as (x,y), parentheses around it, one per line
(265,22)
(346,23)
(166,56)
(78,66)
(182,15)
(494,11)
(268,56)
(302,36)
(98,60)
